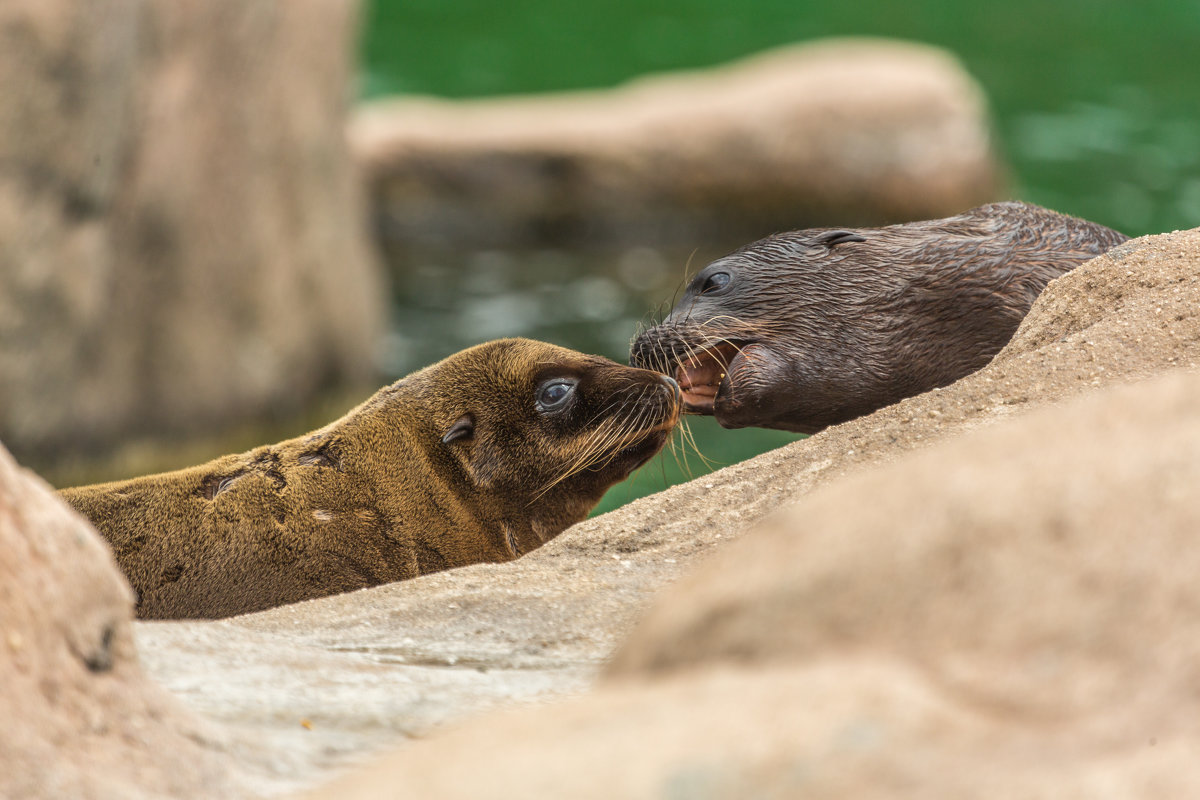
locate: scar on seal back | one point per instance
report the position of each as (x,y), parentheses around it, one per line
(481,457)
(807,329)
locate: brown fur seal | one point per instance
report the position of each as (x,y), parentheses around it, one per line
(807,329)
(481,457)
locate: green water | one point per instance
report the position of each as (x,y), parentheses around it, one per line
(1097,102)
(1096,108)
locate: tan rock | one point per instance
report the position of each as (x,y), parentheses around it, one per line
(1041,567)
(80,720)
(840,132)
(182,233)
(1010,614)
(855,727)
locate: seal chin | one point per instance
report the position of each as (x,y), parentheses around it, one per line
(628,459)
(636,455)
(749,390)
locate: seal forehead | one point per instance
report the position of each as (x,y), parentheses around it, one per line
(547,359)
(524,352)
(502,376)
(806,251)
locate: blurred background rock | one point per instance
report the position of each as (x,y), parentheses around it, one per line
(209,267)
(182,233)
(836,132)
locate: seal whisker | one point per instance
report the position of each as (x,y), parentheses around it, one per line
(691,439)
(595,444)
(679,453)
(582,461)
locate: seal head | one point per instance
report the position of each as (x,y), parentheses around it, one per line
(481,457)
(803,330)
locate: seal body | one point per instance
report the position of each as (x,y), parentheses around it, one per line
(803,330)
(481,457)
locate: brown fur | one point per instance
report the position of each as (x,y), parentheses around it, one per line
(453,465)
(816,327)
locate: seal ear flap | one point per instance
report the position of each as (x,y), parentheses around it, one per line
(463,428)
(830,238)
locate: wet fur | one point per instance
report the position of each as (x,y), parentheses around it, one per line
(378,496)
(848,327)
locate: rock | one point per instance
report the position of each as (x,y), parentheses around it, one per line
(860,728)
(80,718)
(1010,614)
(839,132)
(368,669)
(181,223)
(1042,567)
(373,667)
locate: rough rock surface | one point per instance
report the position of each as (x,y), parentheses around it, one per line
(838,132)
(80,720)
(181,232)
(1011,613)
(435,649)
(1044,567)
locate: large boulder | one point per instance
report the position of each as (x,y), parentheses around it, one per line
(839,132)
(182,240)
(80,718)
(1044,567)
(1010,614)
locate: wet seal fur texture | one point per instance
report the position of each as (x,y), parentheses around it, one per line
(803,330)
(481,457)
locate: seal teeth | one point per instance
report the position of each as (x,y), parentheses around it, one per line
(702,376)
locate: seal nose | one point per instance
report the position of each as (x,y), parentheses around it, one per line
(669,381)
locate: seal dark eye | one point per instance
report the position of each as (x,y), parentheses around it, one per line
(715,281)
(554,394)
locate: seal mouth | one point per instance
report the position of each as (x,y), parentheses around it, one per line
(705,374)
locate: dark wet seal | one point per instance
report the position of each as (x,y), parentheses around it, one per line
(810,328)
